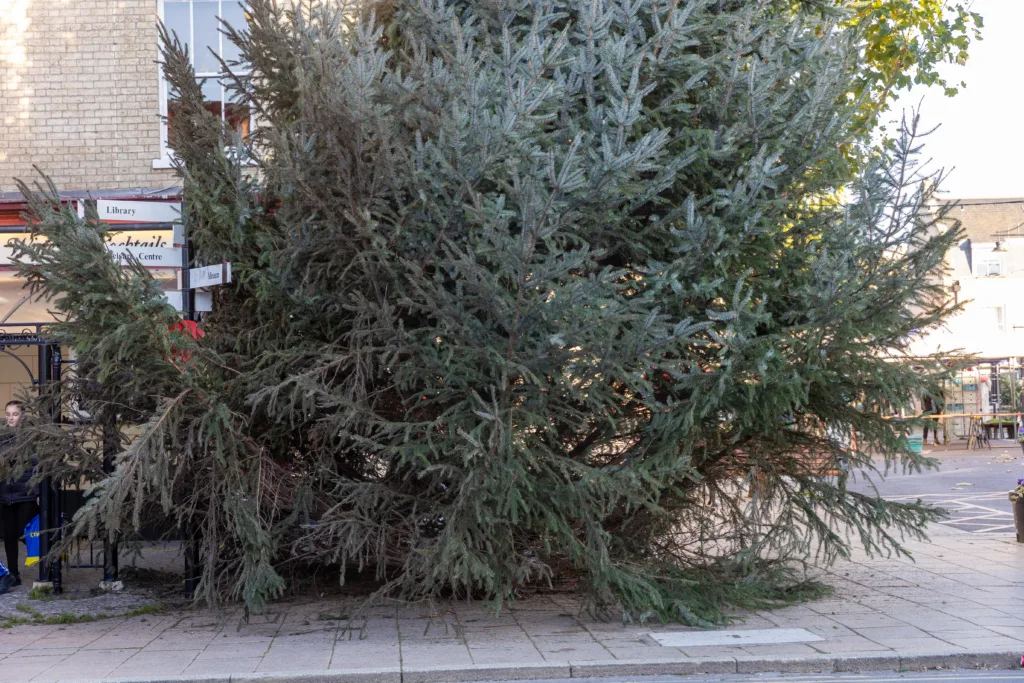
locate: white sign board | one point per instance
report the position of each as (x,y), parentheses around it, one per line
(150,257)
(118,211)
(209,276)
(203,300)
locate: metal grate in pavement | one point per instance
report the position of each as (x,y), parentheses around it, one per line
(765,636)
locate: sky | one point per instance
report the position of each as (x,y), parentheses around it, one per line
(980,139)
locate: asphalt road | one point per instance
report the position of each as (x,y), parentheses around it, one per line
(972,485)
(874,677)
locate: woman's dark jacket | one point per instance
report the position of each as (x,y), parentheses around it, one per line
(16,490)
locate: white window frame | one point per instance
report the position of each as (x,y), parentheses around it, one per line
(1001,320)
(165,160)
(985,264)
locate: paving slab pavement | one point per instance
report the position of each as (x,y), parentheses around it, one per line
(960,605)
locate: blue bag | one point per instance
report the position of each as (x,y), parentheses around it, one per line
(32,542)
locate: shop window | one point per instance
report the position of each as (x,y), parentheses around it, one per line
(197,25)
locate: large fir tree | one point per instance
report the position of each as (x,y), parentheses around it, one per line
(524,290)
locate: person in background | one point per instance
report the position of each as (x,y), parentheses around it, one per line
(933,407)
(17,499)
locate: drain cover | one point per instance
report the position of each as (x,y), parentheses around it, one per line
(767,636)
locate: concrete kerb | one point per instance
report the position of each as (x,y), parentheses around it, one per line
(388,675)
(853,663)
(487,672)
(808,664)
(600,669)
(962,660)
(653,667)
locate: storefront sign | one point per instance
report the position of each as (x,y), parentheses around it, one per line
(133,241)
(118,211)
(137,240)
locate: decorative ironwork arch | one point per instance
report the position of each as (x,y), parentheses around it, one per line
(28,370)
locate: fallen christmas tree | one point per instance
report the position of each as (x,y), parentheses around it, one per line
(522,291)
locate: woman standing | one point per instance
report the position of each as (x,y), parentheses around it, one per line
(17,499)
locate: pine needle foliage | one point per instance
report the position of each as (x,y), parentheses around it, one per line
(525,290)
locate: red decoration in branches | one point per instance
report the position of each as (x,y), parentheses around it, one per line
(185,327)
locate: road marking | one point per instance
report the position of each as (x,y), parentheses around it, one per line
(966,514)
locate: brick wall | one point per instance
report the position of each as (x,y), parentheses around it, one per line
(79,93)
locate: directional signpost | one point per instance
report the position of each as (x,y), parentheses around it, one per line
(208,276)
(199,279)
(192,296)
(125,215)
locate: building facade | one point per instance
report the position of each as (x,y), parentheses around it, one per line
(83,100)
(986,273)
(81,95)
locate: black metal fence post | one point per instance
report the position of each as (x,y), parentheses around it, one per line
(110,549)
(51,520)
(44,525)
(189,535)
(45,488)
(191,543)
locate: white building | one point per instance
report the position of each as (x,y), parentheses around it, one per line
(986,271)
